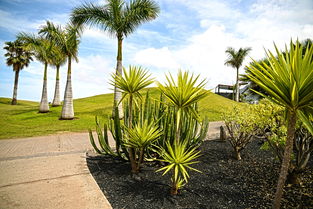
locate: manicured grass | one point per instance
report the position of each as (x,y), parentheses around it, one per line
(23,120)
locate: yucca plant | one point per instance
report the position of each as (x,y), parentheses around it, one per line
(139,138)
(288,80)
(130,83)
(179,158)
(183,94)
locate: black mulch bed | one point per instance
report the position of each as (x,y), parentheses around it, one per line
(223,183)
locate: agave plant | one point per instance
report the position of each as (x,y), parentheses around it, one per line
(179,158)
(133,80)
(183,94)
(288,81)
(139,138)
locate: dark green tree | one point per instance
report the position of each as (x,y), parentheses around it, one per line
(17,57)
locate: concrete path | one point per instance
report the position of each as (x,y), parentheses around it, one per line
(50,172)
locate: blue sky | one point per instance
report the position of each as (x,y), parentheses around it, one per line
(189,35)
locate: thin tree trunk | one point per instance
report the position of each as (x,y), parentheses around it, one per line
(56,99)
(237,153)
(119,70)
(237,86)
(14,99)
(44,106)
(286,160)
(67,108)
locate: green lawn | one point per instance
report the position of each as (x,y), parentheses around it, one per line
(23,120)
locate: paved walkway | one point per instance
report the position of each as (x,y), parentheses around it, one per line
(51,172)
(48,172)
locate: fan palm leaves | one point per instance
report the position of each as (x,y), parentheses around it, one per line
(179,158)
(183,94)
(67,40)
(119,19)
(43,50)
(18,57)
(235,59)
(288,81)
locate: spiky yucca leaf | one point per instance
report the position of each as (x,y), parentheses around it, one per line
(132,81)
(142,135)
(179,159)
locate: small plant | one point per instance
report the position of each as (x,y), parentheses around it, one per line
(139,138)
(179,158)
(130,83)
(242,125)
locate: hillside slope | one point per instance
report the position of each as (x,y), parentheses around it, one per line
(23,120)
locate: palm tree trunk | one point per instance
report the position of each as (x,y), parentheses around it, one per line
(14,99)
(119,70)
(286,159)
(44,106)
(67,108)
(237,85)
(56,99)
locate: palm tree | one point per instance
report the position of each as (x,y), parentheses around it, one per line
(58,60)
(235,59)
(67,40)
(288,80)
(18,57)
(43,50)
(119,19)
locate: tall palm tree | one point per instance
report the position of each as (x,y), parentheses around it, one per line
(235,59)
(67,40)
(18,57)
(288,80)
(43,50)
(120,19)
(58,60)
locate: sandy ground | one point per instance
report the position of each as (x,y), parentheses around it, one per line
(51,172)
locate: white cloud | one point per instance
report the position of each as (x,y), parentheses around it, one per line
(265,22)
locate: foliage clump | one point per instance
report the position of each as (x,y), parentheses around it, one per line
(242,124)
(167,129)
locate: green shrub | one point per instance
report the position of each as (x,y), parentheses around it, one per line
(242,125)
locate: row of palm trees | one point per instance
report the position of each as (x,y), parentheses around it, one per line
(55,45)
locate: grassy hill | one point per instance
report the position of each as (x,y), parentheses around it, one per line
(23,120)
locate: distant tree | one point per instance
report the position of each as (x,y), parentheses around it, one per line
(43,50)
(235,59)
(18,57)
(120,19)
(67,40)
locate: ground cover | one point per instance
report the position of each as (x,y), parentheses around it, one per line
(23,120)
(223,183)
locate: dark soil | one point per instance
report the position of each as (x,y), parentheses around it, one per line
(223,183)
